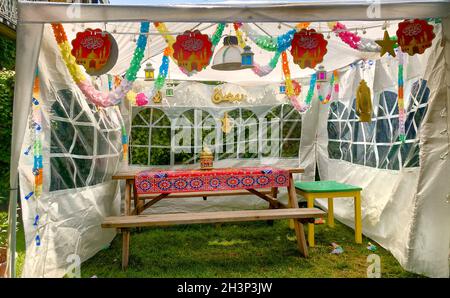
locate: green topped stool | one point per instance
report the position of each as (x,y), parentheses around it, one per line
(330,189)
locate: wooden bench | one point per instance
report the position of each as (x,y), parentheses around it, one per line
(299,216)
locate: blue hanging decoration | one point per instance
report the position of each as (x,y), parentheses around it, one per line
(36,221)
(29,195)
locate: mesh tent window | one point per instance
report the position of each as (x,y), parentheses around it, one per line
(194,129)
(157,139)
(242,140)
(376,144)
(85,143)
(280,136)
(150,142)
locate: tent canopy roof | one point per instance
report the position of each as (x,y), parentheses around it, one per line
(264,17)
(235,11)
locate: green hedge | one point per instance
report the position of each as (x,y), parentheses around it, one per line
(6,102)
(7,53)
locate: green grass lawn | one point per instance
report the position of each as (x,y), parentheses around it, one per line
(233,250)
(20,244)
(238,250)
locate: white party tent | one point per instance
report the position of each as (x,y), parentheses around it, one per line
(405,194)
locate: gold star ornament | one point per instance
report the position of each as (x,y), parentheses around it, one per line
(386,44)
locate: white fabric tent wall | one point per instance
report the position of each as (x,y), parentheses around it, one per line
(405,211)
(33,15)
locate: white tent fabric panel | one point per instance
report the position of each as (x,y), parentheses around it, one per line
(69,217)
(405,211)
(28,45)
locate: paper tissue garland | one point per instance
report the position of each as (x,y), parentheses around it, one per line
(37,145)
(363,102)
(272,44)
(334,86)
(192,51)
(293,88)
(346,36)
(352,39)
(92,48)
(415,36)
(400,101)
(94,96)
(155,93)
(259,70)
(308,48)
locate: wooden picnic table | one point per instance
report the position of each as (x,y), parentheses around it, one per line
(140,204)
(142,201)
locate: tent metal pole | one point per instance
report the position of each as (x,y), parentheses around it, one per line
(12,233)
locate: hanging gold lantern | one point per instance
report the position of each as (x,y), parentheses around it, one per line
(149,72)
(363,102)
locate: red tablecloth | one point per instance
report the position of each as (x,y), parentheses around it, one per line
(163,181)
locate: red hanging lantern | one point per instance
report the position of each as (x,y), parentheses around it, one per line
(92,49)
(414,36)
(308,48)
(192,51)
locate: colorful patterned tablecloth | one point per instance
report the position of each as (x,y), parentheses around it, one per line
(174,181)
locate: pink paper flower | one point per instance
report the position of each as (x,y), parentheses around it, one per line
(141,99)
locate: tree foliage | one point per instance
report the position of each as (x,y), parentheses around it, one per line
(7,53)
(6,102)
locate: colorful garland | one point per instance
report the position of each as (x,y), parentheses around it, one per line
(401,102)
(334,86)
(162,29)
(272,44)
(240,39)
(37,151)
(263,70)
(96,97)
(37,144)
(346,36)
(352,39)
(290,92)
(259,70)
(312,84)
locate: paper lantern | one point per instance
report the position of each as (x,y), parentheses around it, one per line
(247,57)
(192,51)
(308,48)
(321,75)
(170,89)
(414,36)
(363,102)
(95,50)
(149,72)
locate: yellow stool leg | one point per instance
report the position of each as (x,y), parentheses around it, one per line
(330,213)
(310,204)
(358,223)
